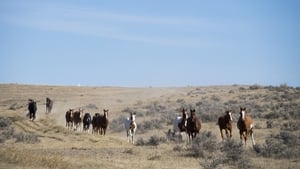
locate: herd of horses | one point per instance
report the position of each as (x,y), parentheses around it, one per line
(191,125)
(79,121)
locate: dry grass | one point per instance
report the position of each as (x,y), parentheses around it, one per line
(46,142)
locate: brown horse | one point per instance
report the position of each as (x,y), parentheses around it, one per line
(69,118)
(104,122)
(49,105)
(193,125)
(96,123)
(245,125)
(224,123)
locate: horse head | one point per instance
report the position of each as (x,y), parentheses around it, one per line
(193,113)
(184,113)
(243,112)
(228,115)
(132,116)
(105,112)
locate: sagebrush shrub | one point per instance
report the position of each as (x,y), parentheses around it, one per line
(27,138)
(205,142)
(283,145)
(6,131)
(154,140)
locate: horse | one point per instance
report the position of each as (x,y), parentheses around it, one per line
(87,120)
(77,119)
(49,105)
(193,125)
(69,119)
(32,108)
(130,126)
(180,123)
(96,123)
(224,123)
(104,122)
(245,125)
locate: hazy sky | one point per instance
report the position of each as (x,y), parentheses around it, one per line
(150,42)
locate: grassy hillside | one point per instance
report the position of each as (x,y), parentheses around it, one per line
(47,143)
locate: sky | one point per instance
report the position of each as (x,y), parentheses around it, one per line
(158,43)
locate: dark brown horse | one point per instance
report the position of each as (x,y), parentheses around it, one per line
(96,123)
(69,119)
(245,125)
(224,123)
(193,125)
(104,122)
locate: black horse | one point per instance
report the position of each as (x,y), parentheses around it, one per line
(87,120)
(32,109)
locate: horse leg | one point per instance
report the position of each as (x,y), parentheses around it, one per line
(132,141)
(221,134)
(245,137)
(230,131)
(128,135)
(186,137)
(226,132)
(194,134)
(189,137)
(241,136)
(132,136)
(252,137)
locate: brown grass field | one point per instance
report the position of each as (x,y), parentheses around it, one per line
(47,143)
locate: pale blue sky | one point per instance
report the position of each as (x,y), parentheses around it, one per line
(150,42)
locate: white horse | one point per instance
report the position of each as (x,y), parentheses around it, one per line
(130,126)
(179,124)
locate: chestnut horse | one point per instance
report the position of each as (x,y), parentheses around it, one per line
(224,123)
(245,125)
(193,125)
(130,126)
